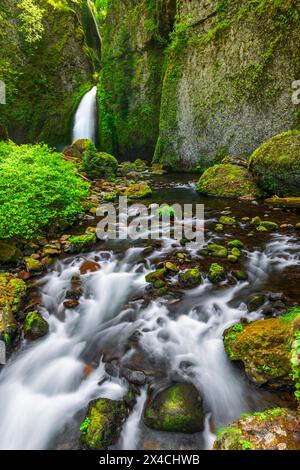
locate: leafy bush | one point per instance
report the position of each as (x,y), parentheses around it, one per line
(37,188)
(98,164)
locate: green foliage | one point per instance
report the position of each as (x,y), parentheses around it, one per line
(31,16)
(37,188)
(98,165)
(166,211)
(295,364)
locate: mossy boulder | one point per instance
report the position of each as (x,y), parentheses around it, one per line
(35,326)
(9,254)
(235,244)
(273,429)
(226,220)
(77,148)
(255,301)
(264,347)
(100,429)
(268,226)
(216,273)
(98,164)
(190,278)
(276,164)
(156,278)
(12,291)
(138,191)
(79,243)
(33,265)
(178,408)
(217,250)
(232,181)
(289,202)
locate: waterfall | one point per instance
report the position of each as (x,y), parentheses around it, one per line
(85,117)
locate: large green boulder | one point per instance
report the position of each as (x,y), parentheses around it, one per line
(178,408)
(102,424)
(12,291)
(227,180)
(9,254)
(98,164)
(273,429)
(265,348)
(276,164)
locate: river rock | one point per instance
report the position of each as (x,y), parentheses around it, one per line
(276,164)
(35,326)
(227,180)
(190,278)
(264,347)
(12,292)
(178,408)
(89,266)
(274,429)
(101,427)
(9,253)
(79,243)
(255,301)
(138,191)
(216,273)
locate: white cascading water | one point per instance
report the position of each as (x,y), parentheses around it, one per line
(85,117)
(46,384)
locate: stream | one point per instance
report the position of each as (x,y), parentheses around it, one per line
(46,386)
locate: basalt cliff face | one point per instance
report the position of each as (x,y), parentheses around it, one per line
(192,80)
(47,62)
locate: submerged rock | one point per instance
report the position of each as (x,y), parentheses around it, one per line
(264,347)
(276,164)
(274,429)
(292,202)
(178,408)
(35,326)
(100,429)
(227,180)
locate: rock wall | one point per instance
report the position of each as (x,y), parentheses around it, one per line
(227,85)
(220,83)
(46,78)
(134,37)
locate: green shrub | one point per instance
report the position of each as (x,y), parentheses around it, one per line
(98,164)
(37,188)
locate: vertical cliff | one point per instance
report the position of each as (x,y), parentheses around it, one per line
(47,61)
(135,34)
(228,79)
(201,78)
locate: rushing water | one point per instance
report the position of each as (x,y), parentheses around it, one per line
(47,385)
(85,117)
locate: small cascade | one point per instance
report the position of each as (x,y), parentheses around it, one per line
(86,117)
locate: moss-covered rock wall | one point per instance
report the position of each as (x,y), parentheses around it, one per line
(197,79)
(135,34)
(45,73)
(228,79)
